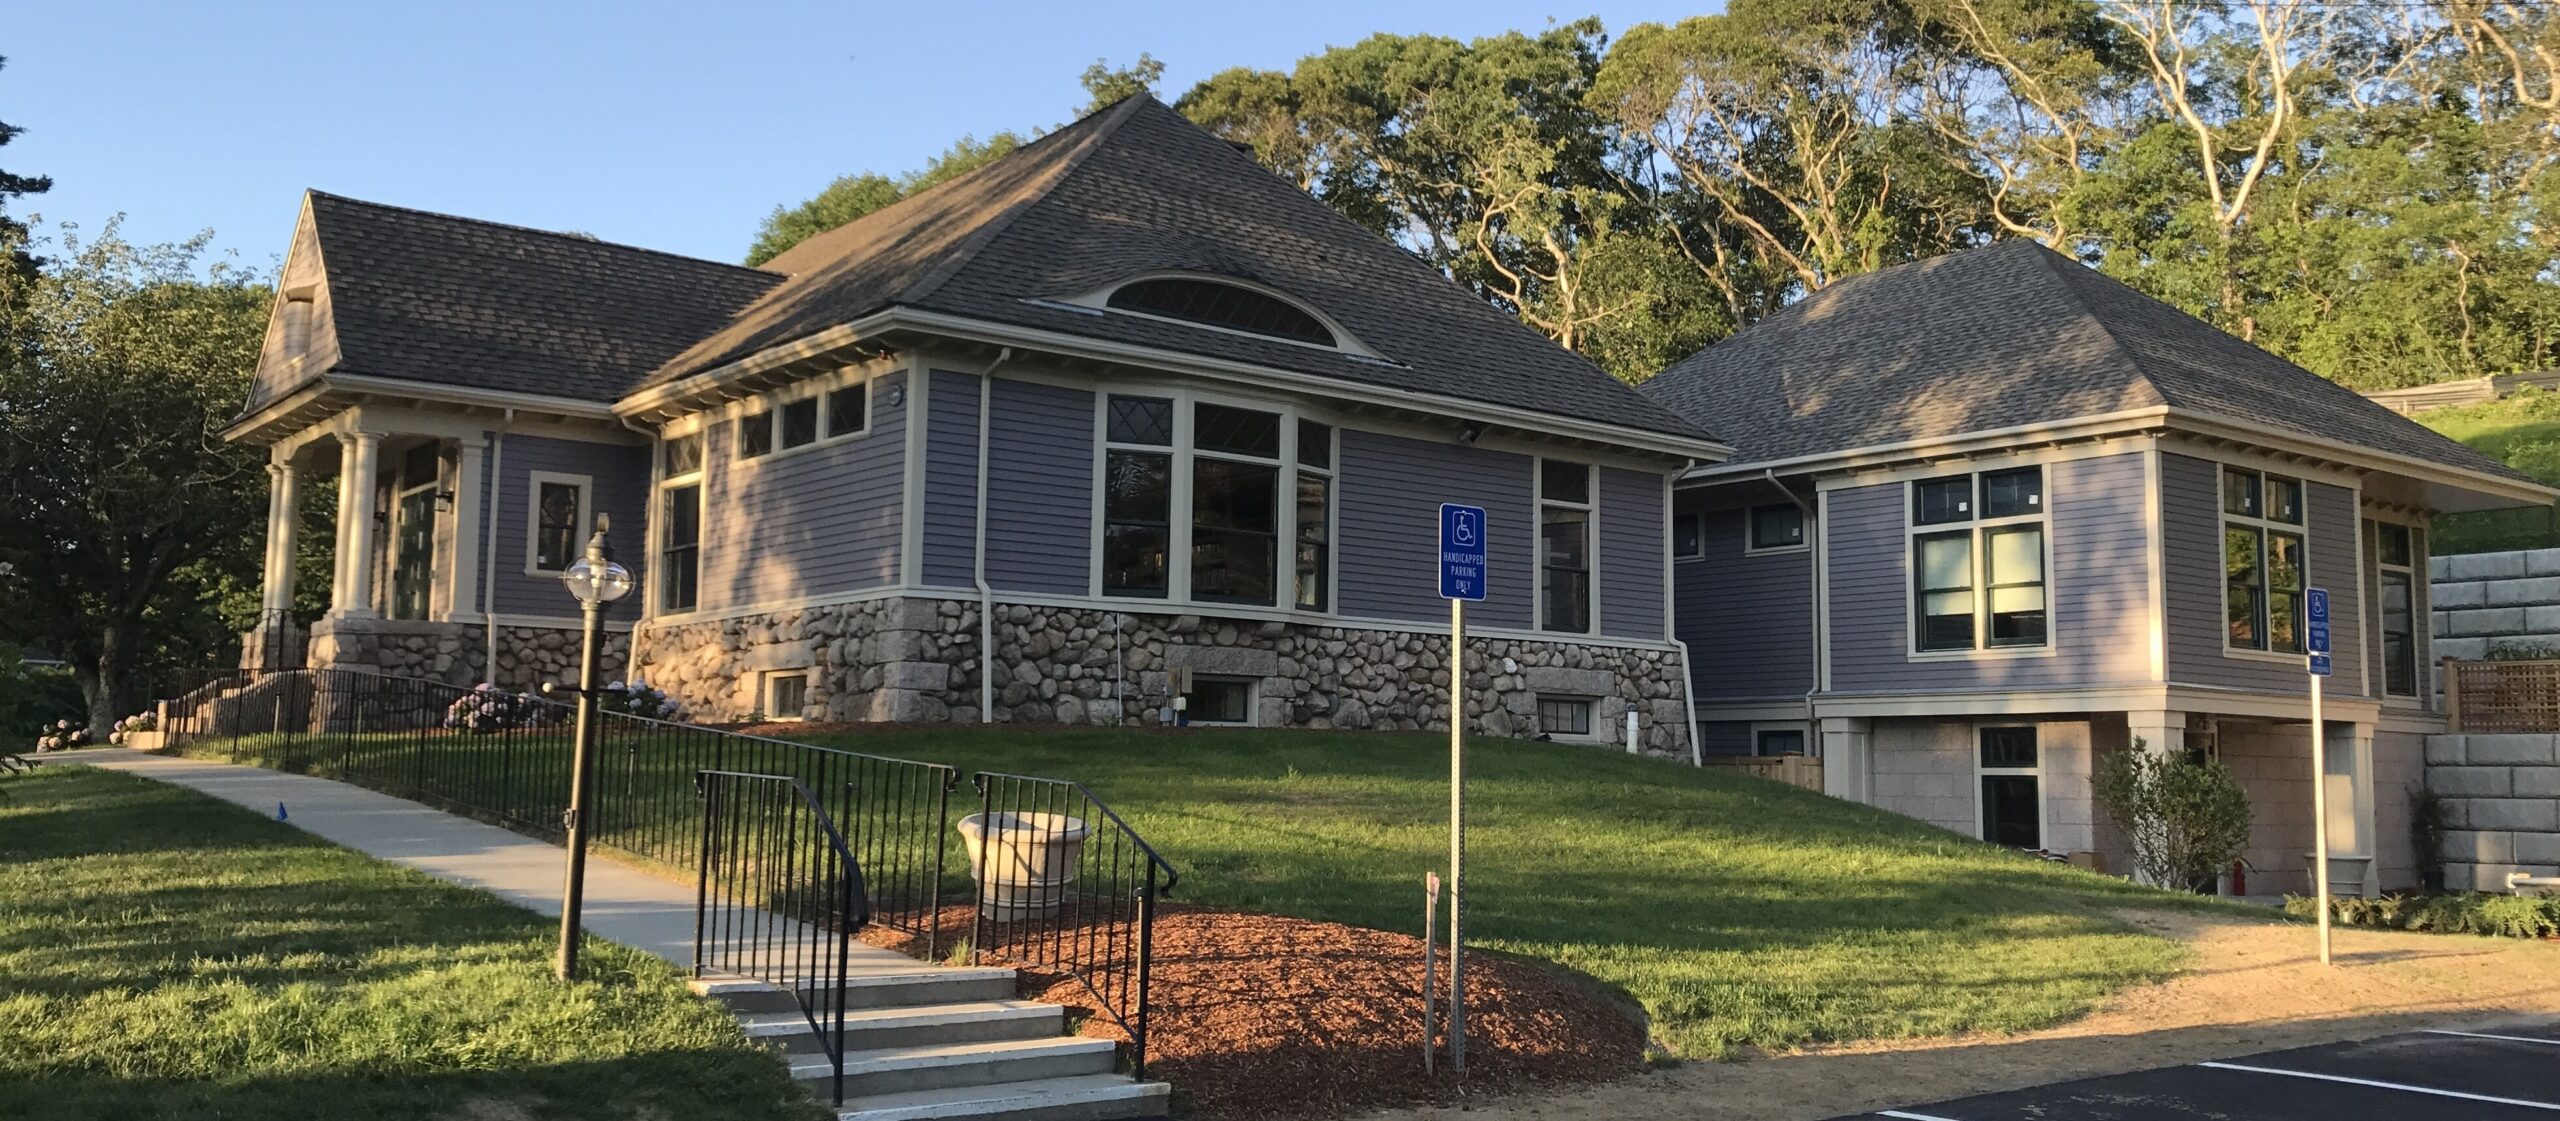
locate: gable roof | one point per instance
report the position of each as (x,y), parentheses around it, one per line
(1136,190)
(2007,335)
(458,301)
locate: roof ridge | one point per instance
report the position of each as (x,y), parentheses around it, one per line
(1111,119)
(578,239)
(2054,263)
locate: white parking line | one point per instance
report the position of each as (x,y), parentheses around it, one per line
(1907,1116)
(2385,1085)
(2486,1035)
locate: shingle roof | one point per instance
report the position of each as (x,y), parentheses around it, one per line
(435,298)
(1137,189)
(2005,335)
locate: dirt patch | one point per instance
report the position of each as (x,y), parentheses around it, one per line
(1263,1016)
(2253,986)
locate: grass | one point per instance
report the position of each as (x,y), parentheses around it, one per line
(1736,911)
(167,955)
(2522,431)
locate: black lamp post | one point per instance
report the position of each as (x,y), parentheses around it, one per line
(597,582)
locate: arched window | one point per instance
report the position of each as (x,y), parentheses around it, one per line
(1212,304)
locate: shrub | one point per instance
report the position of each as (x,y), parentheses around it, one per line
(2187,818)
(487,710)
(2498,916)
(147,720)
(62,736)
(636,699)
(2426,836)
(2508,650)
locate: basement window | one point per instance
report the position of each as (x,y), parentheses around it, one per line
(786,696)
(1219,700)
(1566,717)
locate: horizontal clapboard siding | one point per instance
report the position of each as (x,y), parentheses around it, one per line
(951,480)
(620,474)
(2191,542)
(811,523)
(1629,566)
(1387,561)
(1748,619)
(1040,488)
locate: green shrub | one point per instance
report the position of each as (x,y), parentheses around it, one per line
(2186,818)
(2497,916)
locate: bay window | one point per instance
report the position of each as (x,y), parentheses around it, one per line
(1243,480)
(1978,562)
(1564,546)
(2262,561)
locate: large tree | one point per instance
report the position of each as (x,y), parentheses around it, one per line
(123,515)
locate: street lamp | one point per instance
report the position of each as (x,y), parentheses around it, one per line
(597,582)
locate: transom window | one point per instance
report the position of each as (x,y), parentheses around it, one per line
(1228,306)
(1564,546)
(679,560)
(1225,469)
(1777,527)
(2262,561)
(1978,561)
(2396,576)
(800,417)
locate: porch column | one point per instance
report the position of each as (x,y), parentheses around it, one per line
(1848,758)
(358,453)
(2161,733)
(470,466)
(284,507)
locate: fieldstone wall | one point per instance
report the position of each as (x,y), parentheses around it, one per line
(454,653)
(2502,806)
(914,660)
(2482,601)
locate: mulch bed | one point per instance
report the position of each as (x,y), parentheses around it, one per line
(1265,1016)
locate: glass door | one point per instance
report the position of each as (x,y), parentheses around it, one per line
(413,555)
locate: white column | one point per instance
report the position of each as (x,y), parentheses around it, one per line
(2156,731)
(284,507)
(469,467)
(1848,758)
(357,456)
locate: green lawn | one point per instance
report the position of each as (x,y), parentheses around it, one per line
(166,955)
(1737,911)
(2524,432)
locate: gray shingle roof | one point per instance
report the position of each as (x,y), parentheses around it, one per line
(456,301)
(1137,189)
(2005,335)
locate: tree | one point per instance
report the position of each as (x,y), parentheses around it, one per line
(12,186)
(854,196)
(120,505)
(1105,85)
(2187,819)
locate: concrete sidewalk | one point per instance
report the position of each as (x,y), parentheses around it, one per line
(627,906)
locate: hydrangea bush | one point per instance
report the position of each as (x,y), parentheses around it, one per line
(62,735)
(487,710)
(148,720)
(635,699)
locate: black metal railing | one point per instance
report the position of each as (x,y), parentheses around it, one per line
(1064,884)
(778,897)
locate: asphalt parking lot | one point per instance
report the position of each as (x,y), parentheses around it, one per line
(2483,1074)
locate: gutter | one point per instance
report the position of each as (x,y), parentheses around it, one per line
(978,549)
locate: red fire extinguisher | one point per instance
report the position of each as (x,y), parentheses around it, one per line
(2239,877)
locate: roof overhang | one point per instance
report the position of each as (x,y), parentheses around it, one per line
(336,391)
(2441,487)
(898,327)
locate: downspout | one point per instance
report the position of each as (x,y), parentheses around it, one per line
(978,549)
(1813,578)
(489,543)
(1688,672)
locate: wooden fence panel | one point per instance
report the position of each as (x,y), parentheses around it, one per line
(2494,697)
(1794,770)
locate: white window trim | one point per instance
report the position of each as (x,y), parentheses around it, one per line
(660,484)
(534,483)
(765,683)
(2419,622)
(2044,790)
(1673,527)
(2223,521)
(1913,531)
(1179,495)
(1538,503)
(1252,701)
(1600,731)
(818,388)
(1750,518)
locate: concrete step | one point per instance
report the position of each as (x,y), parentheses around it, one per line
(1086,1097)
(869,1029)
(937,1066)
(906,988)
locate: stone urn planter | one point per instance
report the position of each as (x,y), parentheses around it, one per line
(1025,862)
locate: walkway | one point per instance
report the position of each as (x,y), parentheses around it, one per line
(627,906)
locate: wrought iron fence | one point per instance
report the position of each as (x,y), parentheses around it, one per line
(778,897)
(1063,883)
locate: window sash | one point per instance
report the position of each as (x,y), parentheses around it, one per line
(1564,568)
(2015,601)
(1565,716)
(755,432)
(799,423)
(680,554)
(1688,535)
(1235,531)
(849,409)
(1777,527)
(1137,533)
(555,542)
(1314,560)
(2399,633)
(1943,576)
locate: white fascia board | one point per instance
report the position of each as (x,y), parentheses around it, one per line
(1935,447)
(572,407)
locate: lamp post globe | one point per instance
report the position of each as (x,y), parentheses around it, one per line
(595,583)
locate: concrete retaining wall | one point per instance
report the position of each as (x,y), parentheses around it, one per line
(2502,806)
(2484,600)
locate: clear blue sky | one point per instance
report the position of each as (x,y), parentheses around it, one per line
(675,126)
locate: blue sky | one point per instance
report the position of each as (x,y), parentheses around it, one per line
(675,126)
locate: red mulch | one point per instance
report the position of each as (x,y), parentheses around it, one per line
(1264,1017)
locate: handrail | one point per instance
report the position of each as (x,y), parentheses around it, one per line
(761,922)
(1060,895)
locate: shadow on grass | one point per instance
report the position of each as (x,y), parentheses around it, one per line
(693,1083)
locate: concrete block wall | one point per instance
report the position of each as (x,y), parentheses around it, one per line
(2483,600)
(2502,806)
(1925,769)
(2272,763)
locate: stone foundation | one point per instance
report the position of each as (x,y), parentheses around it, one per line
(455,653)
(915,661)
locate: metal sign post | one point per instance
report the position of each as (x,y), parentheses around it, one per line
(1430,982)
(2315,603)
(1462,577)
